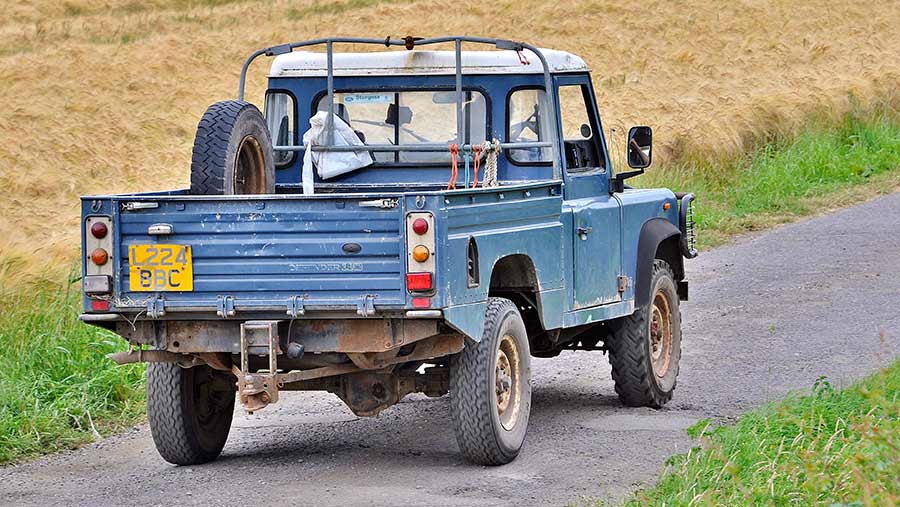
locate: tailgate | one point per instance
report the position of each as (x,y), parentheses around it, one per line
(271,253)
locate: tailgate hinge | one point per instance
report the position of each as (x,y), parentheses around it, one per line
(225,306)
(366,306)
(156,307)
(295,306)
(623,282)
(379,203)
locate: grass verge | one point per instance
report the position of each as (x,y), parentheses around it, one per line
(831,447)
(57,390)
(828,165)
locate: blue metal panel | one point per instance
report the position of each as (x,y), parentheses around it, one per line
(271,249)
(598,260)
(638,206)
(506,221)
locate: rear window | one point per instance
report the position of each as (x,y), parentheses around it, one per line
(404,118)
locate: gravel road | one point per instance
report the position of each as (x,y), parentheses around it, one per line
(768,314)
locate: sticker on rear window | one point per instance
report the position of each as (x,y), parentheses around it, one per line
(368,98)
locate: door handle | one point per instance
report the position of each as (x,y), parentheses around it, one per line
(584,230)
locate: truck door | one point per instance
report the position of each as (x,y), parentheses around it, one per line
(596,215)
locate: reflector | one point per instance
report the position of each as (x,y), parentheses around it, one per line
(99,306)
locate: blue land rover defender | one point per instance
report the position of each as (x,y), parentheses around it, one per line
(400,221)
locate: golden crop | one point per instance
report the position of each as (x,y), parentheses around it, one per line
(102,97)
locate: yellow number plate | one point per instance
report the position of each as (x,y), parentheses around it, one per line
(160,268)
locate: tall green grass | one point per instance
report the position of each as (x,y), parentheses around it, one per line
(832,447)
(790,175)
(57,390)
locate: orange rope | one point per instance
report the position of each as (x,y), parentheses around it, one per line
(477,150)
(454,168)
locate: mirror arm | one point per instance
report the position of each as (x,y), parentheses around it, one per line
(617,183)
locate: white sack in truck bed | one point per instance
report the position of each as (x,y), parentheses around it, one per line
(331,163)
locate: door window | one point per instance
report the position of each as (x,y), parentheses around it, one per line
(578,130)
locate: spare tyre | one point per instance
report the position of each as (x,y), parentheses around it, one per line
(232,151)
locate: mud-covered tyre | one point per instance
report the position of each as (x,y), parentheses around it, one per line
(645,347)
(490,388)
(189,418)
(232,151)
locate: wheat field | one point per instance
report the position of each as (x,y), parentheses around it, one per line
(103,97)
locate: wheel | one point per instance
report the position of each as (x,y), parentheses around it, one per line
(232,151)
(490,388)
(189,415)
(646,346)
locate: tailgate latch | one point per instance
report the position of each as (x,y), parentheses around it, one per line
(225,306)
(366,306)
(156,307)
(135,205)
(295,306)
(379,203)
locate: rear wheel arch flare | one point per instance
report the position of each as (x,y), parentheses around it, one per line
(659,239)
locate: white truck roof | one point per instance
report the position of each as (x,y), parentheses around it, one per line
(401,62)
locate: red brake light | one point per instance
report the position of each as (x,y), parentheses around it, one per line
(419,281)
(99,230)
(420,226)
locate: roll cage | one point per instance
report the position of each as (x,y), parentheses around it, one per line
(411,43)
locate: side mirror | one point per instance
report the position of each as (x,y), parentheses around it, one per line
(640,147)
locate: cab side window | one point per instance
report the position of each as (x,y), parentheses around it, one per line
(280,119)
(580,146)
(528,123)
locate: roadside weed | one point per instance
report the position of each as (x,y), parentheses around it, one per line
(830,447)
(57,388)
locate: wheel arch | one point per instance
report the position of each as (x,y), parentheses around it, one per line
(515,277)
(659,239)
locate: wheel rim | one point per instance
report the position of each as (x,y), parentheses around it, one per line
(209,404)
(660,334)
(507,376)
(249,168)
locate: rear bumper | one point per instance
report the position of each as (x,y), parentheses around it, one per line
(316,335)
(205,313)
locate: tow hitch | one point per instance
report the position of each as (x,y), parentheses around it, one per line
(257,390)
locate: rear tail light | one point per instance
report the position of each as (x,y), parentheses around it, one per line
(420,226)
(419,281)
(421,254)
(99,230)
(99,256)
(98,265)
